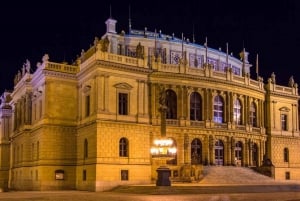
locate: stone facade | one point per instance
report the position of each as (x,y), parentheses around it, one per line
(90,125)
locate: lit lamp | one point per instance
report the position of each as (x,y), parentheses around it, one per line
(163,148)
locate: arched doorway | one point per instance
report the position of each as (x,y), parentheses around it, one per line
(219,152)
(255,154)
(196,152)
(238,153)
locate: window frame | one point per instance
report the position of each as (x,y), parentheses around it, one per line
(218,108)
(195,107)
(123,147)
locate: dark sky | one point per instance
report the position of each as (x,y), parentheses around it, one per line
(270,28)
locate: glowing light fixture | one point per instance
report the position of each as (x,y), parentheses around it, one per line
(163,147)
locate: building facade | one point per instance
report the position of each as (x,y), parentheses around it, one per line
(90,125)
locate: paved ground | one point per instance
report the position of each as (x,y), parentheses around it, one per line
(219,184)
(91,196)
(177,192)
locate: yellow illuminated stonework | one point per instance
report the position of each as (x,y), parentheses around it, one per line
(90,125)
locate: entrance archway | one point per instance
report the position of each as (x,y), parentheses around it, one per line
(238,153)
(219,152)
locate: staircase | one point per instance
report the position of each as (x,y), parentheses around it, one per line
(233,175)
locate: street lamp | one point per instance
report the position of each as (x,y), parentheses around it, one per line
(163,148)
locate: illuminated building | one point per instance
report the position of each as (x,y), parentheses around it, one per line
(90,125)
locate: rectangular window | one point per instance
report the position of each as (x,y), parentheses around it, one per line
(123,103)
(84,175)
(124,175)
(284,122)
(87,105)
(287,175)
(59,174)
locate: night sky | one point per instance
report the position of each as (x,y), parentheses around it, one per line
(270,29)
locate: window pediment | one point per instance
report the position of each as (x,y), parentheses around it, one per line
(123,86)
(284,109)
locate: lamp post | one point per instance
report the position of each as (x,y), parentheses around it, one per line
(163,148)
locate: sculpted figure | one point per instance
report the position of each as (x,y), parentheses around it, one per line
(45,58)
(291,81)
(27,66)
(139,51)
(273,79)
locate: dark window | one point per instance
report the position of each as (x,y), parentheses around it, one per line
(123,103)
(124,175)
(252,115)
(195,107)
(123,147)
(85,149)
(196,152)
(284,122)
(59,174)
(287,175)
(171,102)
(218,109)
(286,155)
(87,105)
(238,153)
(84,175)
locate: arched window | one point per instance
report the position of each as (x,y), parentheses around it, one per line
(171,102)
(252,115)
(195,107)
(85,149)
(196,152)
(123,147)
(286,155)
(237,112)
(218,109)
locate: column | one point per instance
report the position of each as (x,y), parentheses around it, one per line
(186,149)
(106,93)
(263,113)
(250,152)
(233,151)
(229,151)
(146,95)
(211,150)
(207,151)
(205,103)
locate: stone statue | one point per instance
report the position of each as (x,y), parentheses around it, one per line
(45,58)
(23,70)
(27,66)
(273,79)
(38,64)
(16,79)
(291,82)
(139,51)
(19,76)
(96,40)
(104,44)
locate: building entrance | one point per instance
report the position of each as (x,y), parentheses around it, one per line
(219,152)
(238,153)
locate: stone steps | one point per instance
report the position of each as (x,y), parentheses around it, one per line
(233,175)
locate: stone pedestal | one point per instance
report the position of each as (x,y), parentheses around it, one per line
(163,176)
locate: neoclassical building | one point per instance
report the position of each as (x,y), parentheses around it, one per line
(90,125)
